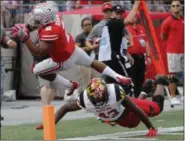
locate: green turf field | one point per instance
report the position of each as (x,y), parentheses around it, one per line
(90,126)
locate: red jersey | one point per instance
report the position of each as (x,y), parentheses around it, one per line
(174,29)
(139,39)
(63,43)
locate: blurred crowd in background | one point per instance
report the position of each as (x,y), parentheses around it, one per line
(13,11)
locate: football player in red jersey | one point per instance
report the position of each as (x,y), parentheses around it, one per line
(111,105)
(61,47)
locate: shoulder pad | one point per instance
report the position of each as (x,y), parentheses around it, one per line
(80,101)
(49,33)
(120,93)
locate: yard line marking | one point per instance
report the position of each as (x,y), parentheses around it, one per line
(172,133)
(127,134)
(132,139)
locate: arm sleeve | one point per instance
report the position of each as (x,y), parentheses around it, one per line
(77,39)
(165,27)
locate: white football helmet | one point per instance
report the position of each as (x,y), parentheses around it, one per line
(42,14)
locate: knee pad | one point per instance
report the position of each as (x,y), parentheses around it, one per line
(159,99)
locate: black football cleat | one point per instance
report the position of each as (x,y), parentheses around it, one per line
(149,86)
(162,80)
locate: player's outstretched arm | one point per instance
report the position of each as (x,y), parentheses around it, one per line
(62,111)
(144,118)
(69,107)
(22,32)
(40,50)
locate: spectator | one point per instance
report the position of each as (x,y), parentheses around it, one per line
(127,5)
(86,73)
(137,51)
(113,48)
(158,6)
(62,5)
(13,11)
(69,5)
(5,15)
(73,4)
(96,32)
(26,6)
(77,5)
(172,31)
(86,25)
(117,33)
(5,42)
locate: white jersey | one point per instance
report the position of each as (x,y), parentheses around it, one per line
(112,111)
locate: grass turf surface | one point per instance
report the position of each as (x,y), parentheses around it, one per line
(89,127)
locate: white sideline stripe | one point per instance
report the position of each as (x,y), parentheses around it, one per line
(133,139)
(122,135)
(173,133)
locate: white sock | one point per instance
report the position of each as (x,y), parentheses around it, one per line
(109,72)
(61,82)
(143,93)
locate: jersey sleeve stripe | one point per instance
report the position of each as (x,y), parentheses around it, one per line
(49,36)
(49,39)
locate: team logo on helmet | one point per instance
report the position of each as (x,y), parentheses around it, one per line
(97,92)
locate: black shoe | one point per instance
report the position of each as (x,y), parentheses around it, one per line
(148,86)
(162,80)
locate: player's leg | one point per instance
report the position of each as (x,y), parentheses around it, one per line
(174,66)
(147,88)
(154,107)
(83,59)
(129,119)
(47,95)
(47,70)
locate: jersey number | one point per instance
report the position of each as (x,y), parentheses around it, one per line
(110,114)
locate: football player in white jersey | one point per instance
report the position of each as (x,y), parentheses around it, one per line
(111,105)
